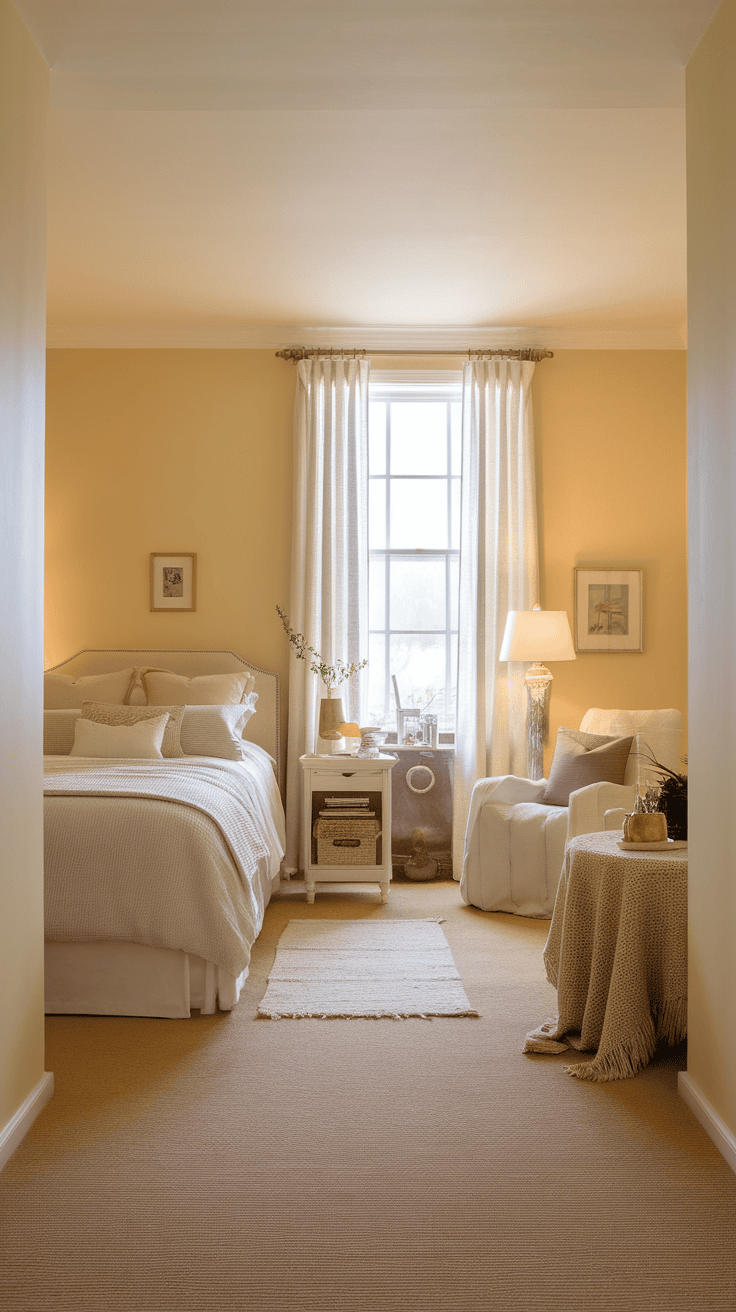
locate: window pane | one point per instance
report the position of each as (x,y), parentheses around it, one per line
(379,710)
(419,665)
(377,593)
(457,410)
(418,512)
(418,594)
(418,437)
(455,543)
(376,514)
(377,437)
(424,436)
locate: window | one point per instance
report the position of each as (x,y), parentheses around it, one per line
(414,442)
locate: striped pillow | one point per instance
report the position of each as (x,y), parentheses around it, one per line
(216,730)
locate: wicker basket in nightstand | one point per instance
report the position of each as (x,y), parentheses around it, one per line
(346,841)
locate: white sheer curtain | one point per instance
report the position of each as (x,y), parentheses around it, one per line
(498,573)
(329,590)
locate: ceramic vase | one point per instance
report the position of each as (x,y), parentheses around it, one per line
(331,717)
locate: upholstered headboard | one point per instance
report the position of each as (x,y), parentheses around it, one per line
(264,728)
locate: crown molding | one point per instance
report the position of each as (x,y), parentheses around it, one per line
(398,338)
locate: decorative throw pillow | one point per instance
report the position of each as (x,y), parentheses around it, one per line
(130,715)
(58,731)
(163,688)
(62,691)
(216,730)
(581,759)
(141,741)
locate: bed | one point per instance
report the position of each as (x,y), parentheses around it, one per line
(158,871)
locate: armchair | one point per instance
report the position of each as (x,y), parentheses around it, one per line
(515,844)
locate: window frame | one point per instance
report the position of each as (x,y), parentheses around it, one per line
(426,385)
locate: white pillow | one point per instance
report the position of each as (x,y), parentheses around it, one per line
(62,692)
(163,688)
(216,730)
(141,741)
(116,715)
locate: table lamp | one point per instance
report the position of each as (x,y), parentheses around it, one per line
(536,635)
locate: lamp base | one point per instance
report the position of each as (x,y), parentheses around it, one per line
(537,679)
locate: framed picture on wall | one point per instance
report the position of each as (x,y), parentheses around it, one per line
(173,580)
(609,610)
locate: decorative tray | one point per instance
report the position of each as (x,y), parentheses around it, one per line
(666,845)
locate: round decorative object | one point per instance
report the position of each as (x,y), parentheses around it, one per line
(425,776)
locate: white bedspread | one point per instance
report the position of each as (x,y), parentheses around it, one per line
(164,853)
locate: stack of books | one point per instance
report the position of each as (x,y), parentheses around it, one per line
(337,807)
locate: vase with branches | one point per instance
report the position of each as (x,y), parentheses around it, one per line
(332,712)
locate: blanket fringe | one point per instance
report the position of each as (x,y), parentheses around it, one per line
(364,1015)
(623,1061)
(671,1019)
(667,1025)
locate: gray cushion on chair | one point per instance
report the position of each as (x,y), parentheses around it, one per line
(581,759)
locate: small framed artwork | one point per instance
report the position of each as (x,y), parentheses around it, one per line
(608,610)
(173,580)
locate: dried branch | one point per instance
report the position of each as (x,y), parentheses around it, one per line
(331,675)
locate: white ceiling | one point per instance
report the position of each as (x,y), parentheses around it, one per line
(258,172)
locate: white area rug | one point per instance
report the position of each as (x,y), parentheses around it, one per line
(347,968)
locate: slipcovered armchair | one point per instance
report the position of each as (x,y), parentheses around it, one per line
(515,843)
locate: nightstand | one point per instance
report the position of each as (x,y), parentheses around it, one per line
(341,843)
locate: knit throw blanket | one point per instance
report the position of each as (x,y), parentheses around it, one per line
(617,955)
(163,853)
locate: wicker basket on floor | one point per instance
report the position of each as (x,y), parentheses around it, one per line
(347,840)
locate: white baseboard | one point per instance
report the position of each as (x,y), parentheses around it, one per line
(716,1129)
(21,1123)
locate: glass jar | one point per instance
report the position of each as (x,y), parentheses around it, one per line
(430,731)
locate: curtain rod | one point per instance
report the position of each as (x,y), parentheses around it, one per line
(295,353)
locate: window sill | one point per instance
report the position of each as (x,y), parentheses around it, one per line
(445,740)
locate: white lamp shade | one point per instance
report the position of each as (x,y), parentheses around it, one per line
(537,635)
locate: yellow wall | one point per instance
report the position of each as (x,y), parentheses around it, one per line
(168,451)
(191,451)
(710,1083)
(23,103)
(611,471)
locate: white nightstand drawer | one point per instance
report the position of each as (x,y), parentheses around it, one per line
(346,781)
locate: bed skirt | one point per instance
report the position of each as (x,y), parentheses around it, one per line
(131,979)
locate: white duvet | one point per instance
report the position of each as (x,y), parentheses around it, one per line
(167,853)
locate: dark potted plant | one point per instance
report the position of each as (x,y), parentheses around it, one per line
(672,798)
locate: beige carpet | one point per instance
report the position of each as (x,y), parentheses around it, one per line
(232,1164)
(380,968)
